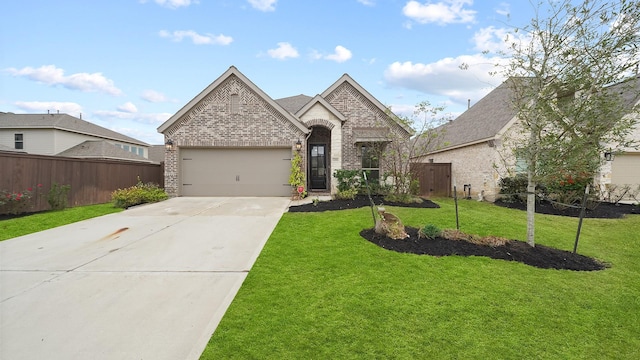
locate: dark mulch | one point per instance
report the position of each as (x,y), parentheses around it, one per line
(539,256)
(603,210)
(358,202)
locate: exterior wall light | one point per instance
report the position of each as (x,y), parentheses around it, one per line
(608,156)
(298,145)
(169,145)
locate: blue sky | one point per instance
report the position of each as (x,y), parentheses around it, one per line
(129,65)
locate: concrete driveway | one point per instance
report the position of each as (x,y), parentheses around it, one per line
(151,282)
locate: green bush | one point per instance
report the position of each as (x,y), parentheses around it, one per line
(349,194)
(514,188)
(429,231)
(58,196)
(141,193)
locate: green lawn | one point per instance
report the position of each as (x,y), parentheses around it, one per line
(46,220)
(320,291)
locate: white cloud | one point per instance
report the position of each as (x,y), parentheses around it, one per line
(504,9)
(445,78)
(263,5)
(53,106)
(283,51)
(128,107)
(153,96)
(341,54)
(172,4)
(497,40)
(52,75)
(367,2)
(443,12)
(197,39)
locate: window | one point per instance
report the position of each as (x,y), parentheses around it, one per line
(141,151)
(125,147)
(370,162)
(521,161)
(19,141)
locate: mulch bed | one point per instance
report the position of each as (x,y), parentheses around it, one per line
(358,202)
(602,210)
(539,256)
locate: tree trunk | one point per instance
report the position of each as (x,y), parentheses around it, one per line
(531,210)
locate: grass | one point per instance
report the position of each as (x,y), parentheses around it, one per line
(15,227)
(320,291)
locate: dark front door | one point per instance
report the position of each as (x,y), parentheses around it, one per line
(318,157)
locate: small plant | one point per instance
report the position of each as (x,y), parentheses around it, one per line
(297,178)
(58,196)
(514,188)
(429,231)
(316,200)
(348,194)
(141,193)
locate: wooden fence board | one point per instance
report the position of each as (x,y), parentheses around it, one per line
(92,181)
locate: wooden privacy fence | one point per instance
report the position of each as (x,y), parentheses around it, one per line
(92,181)
(434,178)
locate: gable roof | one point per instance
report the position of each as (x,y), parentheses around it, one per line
(481,122)
(320,100)
(232,71)
(63,122)
(348,79)
(629,91)
(100,149)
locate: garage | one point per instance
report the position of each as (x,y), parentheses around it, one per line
(625,170)
(235,171)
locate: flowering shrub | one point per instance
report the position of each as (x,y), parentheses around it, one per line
(17,202)
(567,188)
(141,193)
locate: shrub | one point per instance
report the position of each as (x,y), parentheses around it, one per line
(453,234)
(15,202)
(297,178)
(348,180)
(349,194)
(58,196)
(141,193)
(429,231)
(514,188)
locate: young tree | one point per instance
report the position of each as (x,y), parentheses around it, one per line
(561,76)
(399,153)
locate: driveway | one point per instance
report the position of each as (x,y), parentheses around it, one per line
(151,282)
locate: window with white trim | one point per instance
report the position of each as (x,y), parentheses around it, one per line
(371,162)
(18,141)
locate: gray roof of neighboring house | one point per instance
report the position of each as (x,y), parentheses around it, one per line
(62,122)
(156,153)
(482,121)
(9,149)
(294,103)
(100,149)
(629,90)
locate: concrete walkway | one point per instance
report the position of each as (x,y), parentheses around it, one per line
(151,282)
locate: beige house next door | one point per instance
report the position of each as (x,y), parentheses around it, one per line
(235,172)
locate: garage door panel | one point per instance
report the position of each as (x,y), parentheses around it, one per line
(235,172)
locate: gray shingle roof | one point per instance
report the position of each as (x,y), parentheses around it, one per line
(100,149)
(482,121)
(294,103)
(156,153)
(62,122)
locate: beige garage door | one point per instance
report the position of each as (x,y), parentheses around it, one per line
(235,172)
(625,170)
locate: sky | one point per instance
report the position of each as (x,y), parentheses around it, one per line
(129,65)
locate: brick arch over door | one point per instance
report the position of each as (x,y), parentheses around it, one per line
(319,122)
(319,158)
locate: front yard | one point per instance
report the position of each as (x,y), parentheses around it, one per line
(319,290)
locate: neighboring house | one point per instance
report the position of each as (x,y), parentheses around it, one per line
(54,134)
(233,139)
(101,149)
(156,153)
(474,144)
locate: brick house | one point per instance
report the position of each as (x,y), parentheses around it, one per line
(232,139)
(476,144)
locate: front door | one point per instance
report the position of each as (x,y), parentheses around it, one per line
(318,157)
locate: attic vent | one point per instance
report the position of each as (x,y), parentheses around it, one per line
(235,104)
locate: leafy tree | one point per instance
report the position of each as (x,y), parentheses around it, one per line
(561,72)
